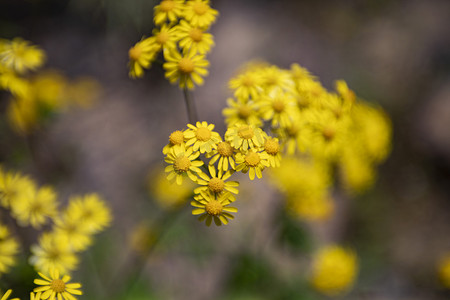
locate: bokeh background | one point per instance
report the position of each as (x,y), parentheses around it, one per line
(394,53)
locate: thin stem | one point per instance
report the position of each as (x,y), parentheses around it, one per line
(190,106)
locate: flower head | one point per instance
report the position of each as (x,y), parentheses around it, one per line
(242,112)
(52,287)
(252,162)
(244,137)
(213,207)
(168,10)
(202,137)
(8,249)
(225,153)
(141,56)
(182,163)
(199,13)
(194,38)
(216,183)
(19,55)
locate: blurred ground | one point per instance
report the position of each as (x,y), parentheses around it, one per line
(395,53)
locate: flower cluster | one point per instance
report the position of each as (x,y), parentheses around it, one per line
(318,129)
(72,229)
(39,96)
(181,35)
(245,148)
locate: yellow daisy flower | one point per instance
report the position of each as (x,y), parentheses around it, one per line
(165,37)
(9,80)
(216,183)
(213,207)
(199,13)
(312,208)
(8,249)
(35,206)
(244,137)
(12,185)
(53,252)
(272,76)
(225,153)
(334,270)
(73,230)
(20,56)
(252,162)
(6,295)
(299,73)
(168,10)
(247,85)
(272,148)
(53,287)
(241,111)
(201,137)
(176,140)
(345,92)
(194,38)
(141,56)
(186,68)
(278,107)
(183,162)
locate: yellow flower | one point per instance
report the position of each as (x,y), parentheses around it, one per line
(194,38)
(17,85)
(8,249)
(347,94)
(6,295)
(272,76)
(165,37)
(53,252)
(141,56)
(183,163)
(11,186)
(143,237)
(247,85)
(334,270)
(278,107)
(358,173)
(444,270)
(90,211)
(241,112)
(244,137)
(20,56)
(169,195)
(272,148)
(199,13)
(72,229)
(252,162)
(225,153)
(53,287)
(201,137)
(168,10)
(35,206)
(176,140)
(186,68)
(311,207)
(215,183)
(213,207)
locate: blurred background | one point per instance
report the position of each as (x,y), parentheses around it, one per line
(394,53)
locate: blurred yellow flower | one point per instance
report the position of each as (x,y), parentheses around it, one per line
(168,10)
(199,13)
(247,85)
(6,295)
(167,194)
(443,270)
(53,287)
(334,270)
(242,112)
(12,185)
(141,56)
(20,56)
(194,38)
(244,137)
(8,249)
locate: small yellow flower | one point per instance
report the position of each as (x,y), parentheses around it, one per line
(6,295)
(244,137)
(247,85)
(272,148)
(182,163)
(20,56)
(11,186)
(194,38)
(165,37)
(334,270)
(278,107)
(8,249)
(168,10)
(242,112)
(186,69)
(201,137)
(272,76)
(252,162)
(53,287)
(216,183)
(213,207)
(141,56)
(199,13)
(313,208)
(225,153)
(176,140)
(9,80)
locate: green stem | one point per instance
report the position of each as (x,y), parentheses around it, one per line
(190,106)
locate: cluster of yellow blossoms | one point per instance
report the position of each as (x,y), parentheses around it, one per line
(37,97)
(67,232)
(181,35)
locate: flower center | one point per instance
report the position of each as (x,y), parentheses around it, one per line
(328,133)
(176,138)
(278,105)
(182,164)
(244,111)
(135,52)
(213,208)
(302,102)
(271,146)
(167,5)
(196,35)
(248,81)
(293,130)
(245,132)
(216,185)
(186,66)
(225,149)
(203,134)
(252,159)
(162,38)
(200,8)
(58,286)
